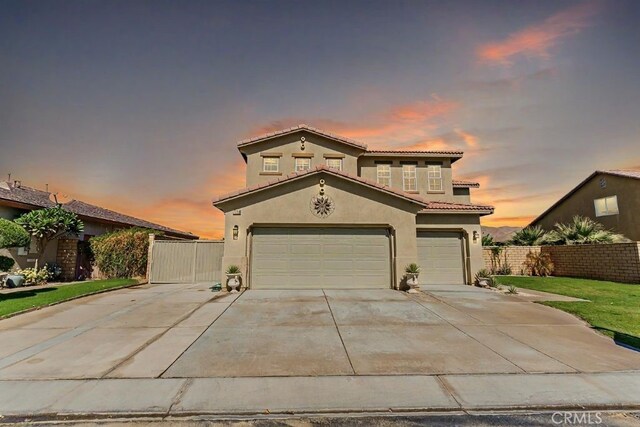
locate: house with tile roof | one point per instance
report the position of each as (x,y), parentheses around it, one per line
(610,197)
(17,199)
(323,211)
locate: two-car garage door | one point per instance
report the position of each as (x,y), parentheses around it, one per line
(299,258)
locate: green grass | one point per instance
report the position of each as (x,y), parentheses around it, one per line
(33,297)
(613,308)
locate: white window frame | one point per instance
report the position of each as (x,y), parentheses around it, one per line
(410,177)
(434,178)
(268,168)
(298,167)
(610,205)
(333,159)
(383,174)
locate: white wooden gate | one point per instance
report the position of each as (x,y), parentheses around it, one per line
(186,261)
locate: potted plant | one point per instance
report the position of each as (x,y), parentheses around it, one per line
(412,272)
(233,278)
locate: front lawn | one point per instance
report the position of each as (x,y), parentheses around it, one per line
(614,308)
(39,297)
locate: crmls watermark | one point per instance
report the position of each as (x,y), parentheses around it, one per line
(576,418)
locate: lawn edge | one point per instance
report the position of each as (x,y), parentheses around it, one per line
(28,310)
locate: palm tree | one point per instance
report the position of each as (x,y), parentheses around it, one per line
(529,236)
(582,231)
(487,240)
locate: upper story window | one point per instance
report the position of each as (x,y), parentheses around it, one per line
(384,174)
(606,206)
(334,163)
(409,181)
(303,164)
(270,164)
(434,175)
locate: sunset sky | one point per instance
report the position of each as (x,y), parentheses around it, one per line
(137,105)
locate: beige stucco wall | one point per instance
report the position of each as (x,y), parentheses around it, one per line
(465,223)
(462,195)
(369,170)
(289,205)
(287,146)
(626,222)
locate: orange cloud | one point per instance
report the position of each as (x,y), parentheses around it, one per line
(536,40)
(401,124)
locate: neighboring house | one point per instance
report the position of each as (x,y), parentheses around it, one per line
(323,211)
(611,197)
(68,252)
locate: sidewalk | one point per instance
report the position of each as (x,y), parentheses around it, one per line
(308,395)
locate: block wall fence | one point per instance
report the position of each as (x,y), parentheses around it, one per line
(618,262)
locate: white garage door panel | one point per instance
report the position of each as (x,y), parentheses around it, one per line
(440,258)
(295,258)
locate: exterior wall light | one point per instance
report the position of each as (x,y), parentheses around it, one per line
(235,232)
(475,237)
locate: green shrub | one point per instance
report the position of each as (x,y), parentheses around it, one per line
(539,264)
(512,290)
(122,254)
(6,263)
(412,268)
(13,235)
(34,276)
(529,236)
(487,240)
(233,269)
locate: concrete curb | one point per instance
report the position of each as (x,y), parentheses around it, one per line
(264,396)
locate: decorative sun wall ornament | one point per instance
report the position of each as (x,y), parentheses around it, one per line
(302,143)
(322,206)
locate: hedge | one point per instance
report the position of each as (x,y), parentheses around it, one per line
(122,254)
(12,235)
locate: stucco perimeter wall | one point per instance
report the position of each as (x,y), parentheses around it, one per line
(514,256)
(618,262)
(289,205)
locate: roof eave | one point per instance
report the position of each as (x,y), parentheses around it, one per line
(457,211)
(246,143)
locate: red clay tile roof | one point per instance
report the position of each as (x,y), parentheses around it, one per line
(317,169)
(302,126)
(435,207)
(416,152)
(429,206)
(465,184)
(41,199)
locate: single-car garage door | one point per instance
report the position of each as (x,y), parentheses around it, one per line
(299,258)
(440,258)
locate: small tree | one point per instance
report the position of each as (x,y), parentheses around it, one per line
(487,240)
(529,236)
(48,224)
(13,235)
(581,231)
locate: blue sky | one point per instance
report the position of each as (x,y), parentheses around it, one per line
(137,105)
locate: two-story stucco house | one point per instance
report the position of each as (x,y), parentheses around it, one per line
(323,211)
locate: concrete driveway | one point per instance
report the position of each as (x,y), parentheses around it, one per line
(178,331)
(178,350)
